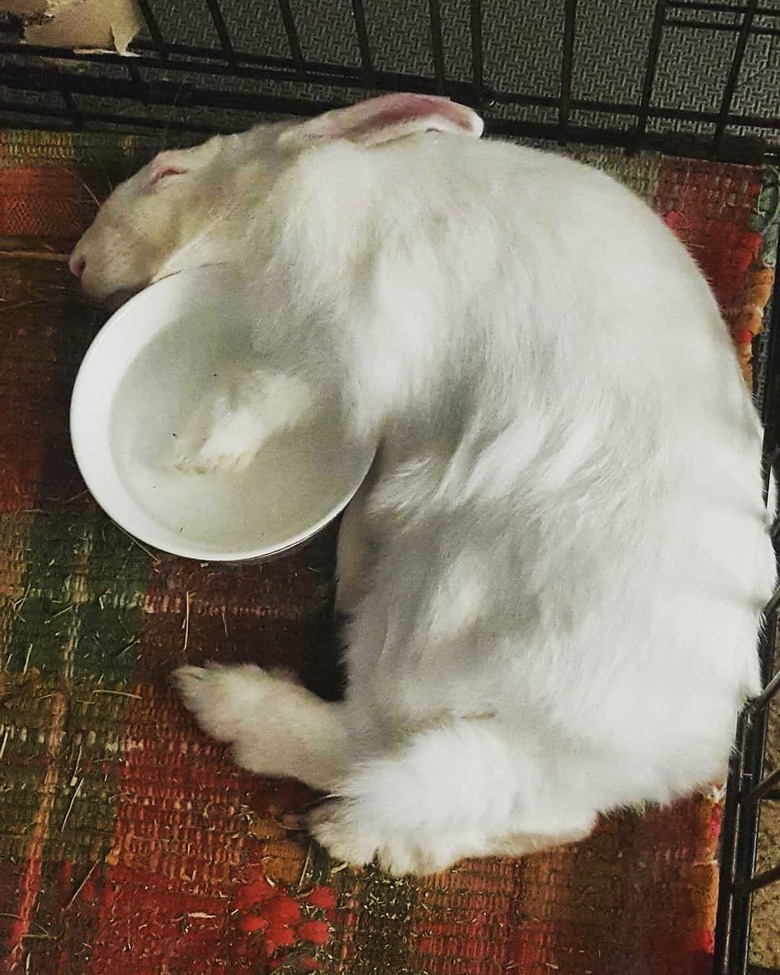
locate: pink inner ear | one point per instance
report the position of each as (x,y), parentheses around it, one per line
(168,171)
(403,109)
(386,118)
(162,171)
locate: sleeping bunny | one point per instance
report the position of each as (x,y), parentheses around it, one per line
(556,569)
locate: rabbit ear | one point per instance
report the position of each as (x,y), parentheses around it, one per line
(385,119)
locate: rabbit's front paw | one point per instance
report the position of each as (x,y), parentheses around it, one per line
(235,419)
(218,437)
(231,444)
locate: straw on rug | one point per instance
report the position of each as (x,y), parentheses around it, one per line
(129,844)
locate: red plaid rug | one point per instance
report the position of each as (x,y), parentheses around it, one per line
(129,845)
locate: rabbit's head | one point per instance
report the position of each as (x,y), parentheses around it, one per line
(191,207)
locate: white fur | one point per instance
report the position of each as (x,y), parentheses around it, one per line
(244,705)
(558,568)
(235,418)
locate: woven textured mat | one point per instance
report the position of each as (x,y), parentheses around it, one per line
(129,845)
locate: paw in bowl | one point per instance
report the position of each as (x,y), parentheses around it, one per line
(231,421)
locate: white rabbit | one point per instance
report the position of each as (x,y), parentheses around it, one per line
(557,568)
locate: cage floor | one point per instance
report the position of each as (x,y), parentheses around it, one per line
(128,842)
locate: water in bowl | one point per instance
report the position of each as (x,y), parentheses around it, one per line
(295,481)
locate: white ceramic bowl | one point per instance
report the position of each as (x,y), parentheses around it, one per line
(141,375)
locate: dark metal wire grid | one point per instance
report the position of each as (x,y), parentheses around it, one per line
(227,77)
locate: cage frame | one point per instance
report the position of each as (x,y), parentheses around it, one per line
(27,68)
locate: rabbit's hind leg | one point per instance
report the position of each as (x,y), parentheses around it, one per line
(456,790)
(276,727)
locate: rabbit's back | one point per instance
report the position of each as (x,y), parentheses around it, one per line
(575,536)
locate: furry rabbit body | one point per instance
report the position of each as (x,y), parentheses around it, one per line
(556,571)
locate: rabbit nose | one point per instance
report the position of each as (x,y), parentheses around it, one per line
(76,265)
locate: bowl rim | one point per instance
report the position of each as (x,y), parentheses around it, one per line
(82,403)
